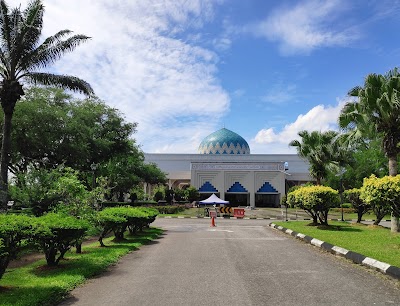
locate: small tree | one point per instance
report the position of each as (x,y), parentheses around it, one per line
(192,194)
(180,195)
(56,234)
(383,194)
(353,196)
(159,193)
(13,229)
(315,200)
(169,196)
(33,189)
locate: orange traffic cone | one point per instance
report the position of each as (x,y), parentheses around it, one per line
(213,222)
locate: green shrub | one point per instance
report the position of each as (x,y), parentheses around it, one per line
(158,196)
(353,196)
(118,219)
(383,194)
(114,204)
(315,200)
(170,209)
(56,234)
(192,194)
(13,230)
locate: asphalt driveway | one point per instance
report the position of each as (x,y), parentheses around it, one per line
(239,262)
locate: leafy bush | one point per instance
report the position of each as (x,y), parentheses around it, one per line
(346,205)
(118,219)
(114,204)
(353,196)
(170,209)
(383,194)
(56,234)
(192,194)
(32,189)
(13,230)
(158,196)
(315,200)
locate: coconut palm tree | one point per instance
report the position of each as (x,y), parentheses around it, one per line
(22,58)
(376,112)
(320,149)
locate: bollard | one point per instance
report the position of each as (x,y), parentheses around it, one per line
(213,222)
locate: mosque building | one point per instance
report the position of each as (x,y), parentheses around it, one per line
(225,167)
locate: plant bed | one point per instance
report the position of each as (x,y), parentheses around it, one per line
(34,285)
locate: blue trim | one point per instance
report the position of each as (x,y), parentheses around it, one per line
(207,187)
(267,187)
(237,187)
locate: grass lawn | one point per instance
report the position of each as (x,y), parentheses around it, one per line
(372,241)
(37,284)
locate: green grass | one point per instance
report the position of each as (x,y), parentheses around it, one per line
(372,241)
(36,284)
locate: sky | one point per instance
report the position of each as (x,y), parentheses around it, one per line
(264,69)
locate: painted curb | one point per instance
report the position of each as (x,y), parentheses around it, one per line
(383,267)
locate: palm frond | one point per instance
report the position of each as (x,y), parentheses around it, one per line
(5,27)
(50,51)
(63,81)
(28,31)
(354,92)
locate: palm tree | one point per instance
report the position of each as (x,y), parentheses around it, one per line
(320,149)
(22,57)
(376,113)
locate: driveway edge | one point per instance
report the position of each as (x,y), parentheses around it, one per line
(355,257)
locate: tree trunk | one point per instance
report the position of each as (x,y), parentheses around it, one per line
(359,215)
(395,223)
(5,159)
(78,246)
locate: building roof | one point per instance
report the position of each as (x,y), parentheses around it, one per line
(224,141)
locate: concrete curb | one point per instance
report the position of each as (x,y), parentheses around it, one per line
(355,257)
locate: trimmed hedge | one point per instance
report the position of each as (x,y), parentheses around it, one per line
(119,219)
(315,200)
(57,233)
(382,194)
(170,209)
(360,207)
(13,229)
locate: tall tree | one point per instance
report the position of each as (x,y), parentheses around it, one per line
(23,55)
(376,112)
(320,149)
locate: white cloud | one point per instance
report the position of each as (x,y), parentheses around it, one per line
(305,26)
(319,118)
(136,63)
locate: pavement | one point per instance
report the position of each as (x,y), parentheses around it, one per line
(238,262)
(357,258)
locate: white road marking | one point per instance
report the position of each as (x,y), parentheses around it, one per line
(238,238)
(218,230)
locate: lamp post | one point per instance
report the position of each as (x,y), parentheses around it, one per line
(341,172)
(93,166)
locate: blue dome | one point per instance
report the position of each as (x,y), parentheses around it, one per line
(224,141)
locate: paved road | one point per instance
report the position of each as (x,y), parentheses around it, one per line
(240,262)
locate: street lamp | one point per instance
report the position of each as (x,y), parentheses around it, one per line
(342,171)
(93,166)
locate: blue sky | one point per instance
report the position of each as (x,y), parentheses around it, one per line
(264,69)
